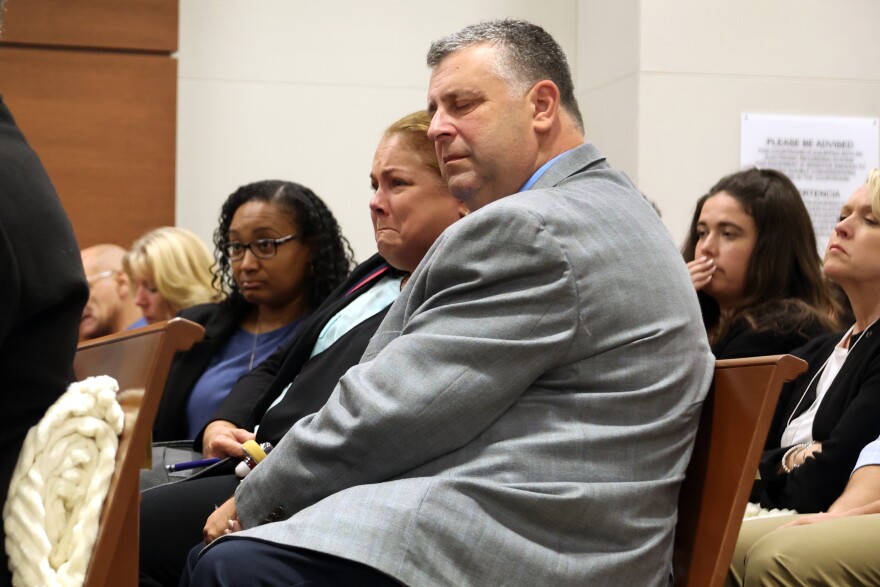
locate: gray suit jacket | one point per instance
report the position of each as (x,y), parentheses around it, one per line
(526,411)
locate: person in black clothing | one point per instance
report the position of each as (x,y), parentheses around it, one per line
(827,415)
(279,253)
(410,208)
(752,256)
(43,295)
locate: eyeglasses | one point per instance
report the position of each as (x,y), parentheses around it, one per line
(262,248)
(93,279)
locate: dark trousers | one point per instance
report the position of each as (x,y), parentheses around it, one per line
(172,519)
(251,562)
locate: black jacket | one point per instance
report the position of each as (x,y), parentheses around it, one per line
(786,330)
(846,421)
(313,378)
(743,341)
(41,301)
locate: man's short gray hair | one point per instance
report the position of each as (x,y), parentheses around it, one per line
(527,54)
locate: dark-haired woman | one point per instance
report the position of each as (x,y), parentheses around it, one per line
(279,254)
(752,256)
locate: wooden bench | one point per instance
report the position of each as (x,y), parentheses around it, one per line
(139,360)
(730,439)
(733,426)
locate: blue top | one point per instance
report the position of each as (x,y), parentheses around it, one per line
(366,306)
(870,455)
(138,323)
(231,362)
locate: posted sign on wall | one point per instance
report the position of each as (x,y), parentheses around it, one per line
(826,157)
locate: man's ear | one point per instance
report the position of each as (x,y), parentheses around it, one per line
(544,98)
(123,284)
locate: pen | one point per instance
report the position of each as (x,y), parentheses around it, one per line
(192,464)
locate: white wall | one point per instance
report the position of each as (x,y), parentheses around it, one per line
(299,90)
(666,106)
(288,89)
(607,79)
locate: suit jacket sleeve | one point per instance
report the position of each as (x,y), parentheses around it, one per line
(475,333)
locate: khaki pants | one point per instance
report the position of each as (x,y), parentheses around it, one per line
(843,552)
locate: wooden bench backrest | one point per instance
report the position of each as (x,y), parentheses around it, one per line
(730,439)
(139,360)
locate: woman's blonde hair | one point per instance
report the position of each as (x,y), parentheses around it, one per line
(874,190)
(177,262)
(413,131)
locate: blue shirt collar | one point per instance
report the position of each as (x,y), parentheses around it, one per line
(537,175)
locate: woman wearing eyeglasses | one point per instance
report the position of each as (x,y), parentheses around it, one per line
(410,207)
(279,254)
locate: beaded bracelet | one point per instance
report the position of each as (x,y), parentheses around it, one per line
(790,452)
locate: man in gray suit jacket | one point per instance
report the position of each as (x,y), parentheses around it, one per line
(526,411)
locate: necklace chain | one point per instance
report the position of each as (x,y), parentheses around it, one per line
(254,345)
(848,338)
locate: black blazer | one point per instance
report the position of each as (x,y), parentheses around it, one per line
(313,379)
(846,421)
(787,333)
(742,341)
(41,299)
(220,322)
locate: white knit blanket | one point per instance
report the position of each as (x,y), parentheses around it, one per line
(753,510)
(57,491)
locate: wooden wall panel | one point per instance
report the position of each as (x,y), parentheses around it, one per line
(93,86)
(104,125)
(139,25)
